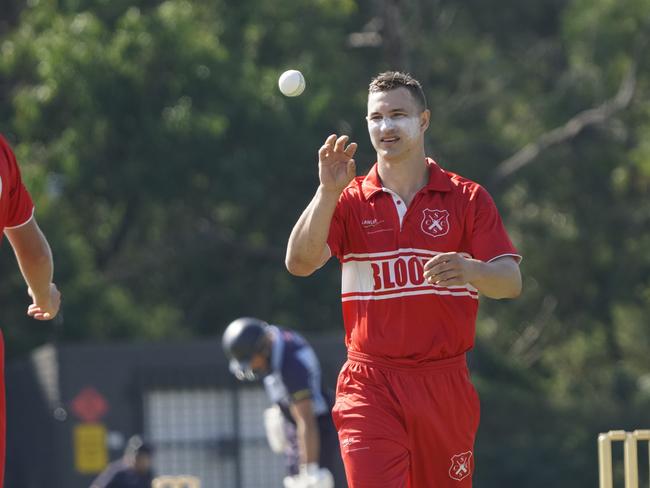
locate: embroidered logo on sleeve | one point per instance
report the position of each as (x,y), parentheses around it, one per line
(301,395)
(435,222)
(461,466)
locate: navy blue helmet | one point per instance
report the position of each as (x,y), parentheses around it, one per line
(243,339)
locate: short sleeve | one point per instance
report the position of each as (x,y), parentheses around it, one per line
(489,239)
(296,378)
(336,232)
(18,204)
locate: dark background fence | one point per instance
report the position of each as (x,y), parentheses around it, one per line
(71,409)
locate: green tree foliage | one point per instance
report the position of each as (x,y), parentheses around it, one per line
(168,171)
(162,154)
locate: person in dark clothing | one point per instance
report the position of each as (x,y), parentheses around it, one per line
(133,470)
(299,424)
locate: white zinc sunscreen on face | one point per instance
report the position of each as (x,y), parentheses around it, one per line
(408,127)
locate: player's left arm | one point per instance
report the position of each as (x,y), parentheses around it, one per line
(307,431)
(34,258)
(499,278)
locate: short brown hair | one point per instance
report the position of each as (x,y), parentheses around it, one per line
(391,80)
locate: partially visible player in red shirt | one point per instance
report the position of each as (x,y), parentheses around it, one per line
(417,245)
(33,254)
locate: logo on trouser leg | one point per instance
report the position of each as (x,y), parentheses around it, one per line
(350,444)
(461,466)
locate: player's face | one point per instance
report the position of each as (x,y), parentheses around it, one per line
(396,123)
(142,463)
(259,364)
(251,370)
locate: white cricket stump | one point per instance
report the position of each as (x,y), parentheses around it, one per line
(630,456)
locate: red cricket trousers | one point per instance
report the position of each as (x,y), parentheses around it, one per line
(403,427)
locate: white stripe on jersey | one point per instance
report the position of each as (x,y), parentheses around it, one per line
(394,274)
(373,255)
(465,293)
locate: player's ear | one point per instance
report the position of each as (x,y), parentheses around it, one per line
(425,118)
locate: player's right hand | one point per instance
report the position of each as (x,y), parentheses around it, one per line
(336,166)
(292,481)
(45,306)
(317,478)
(321,479)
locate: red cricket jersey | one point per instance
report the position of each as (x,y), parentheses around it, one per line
(16,207)
(389,310)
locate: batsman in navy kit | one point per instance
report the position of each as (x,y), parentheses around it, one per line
(299,424)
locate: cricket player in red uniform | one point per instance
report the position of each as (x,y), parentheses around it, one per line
(417,245)
(32,253)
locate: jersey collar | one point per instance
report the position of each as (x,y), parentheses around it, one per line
(438,180)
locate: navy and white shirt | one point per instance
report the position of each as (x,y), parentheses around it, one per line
(295,373)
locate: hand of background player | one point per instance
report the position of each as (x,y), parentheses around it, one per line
(45,306)
(317,478)
(450,269)
(336,168)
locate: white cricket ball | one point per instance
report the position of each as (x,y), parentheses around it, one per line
(291,83)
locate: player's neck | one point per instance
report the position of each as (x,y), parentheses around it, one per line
(405,177)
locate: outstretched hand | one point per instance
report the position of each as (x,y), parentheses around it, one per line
(45,307)
(336,166)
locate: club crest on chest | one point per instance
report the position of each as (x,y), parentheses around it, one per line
(435,222)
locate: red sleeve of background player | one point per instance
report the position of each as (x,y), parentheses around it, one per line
(489,237)
(20,206)
(337,232)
